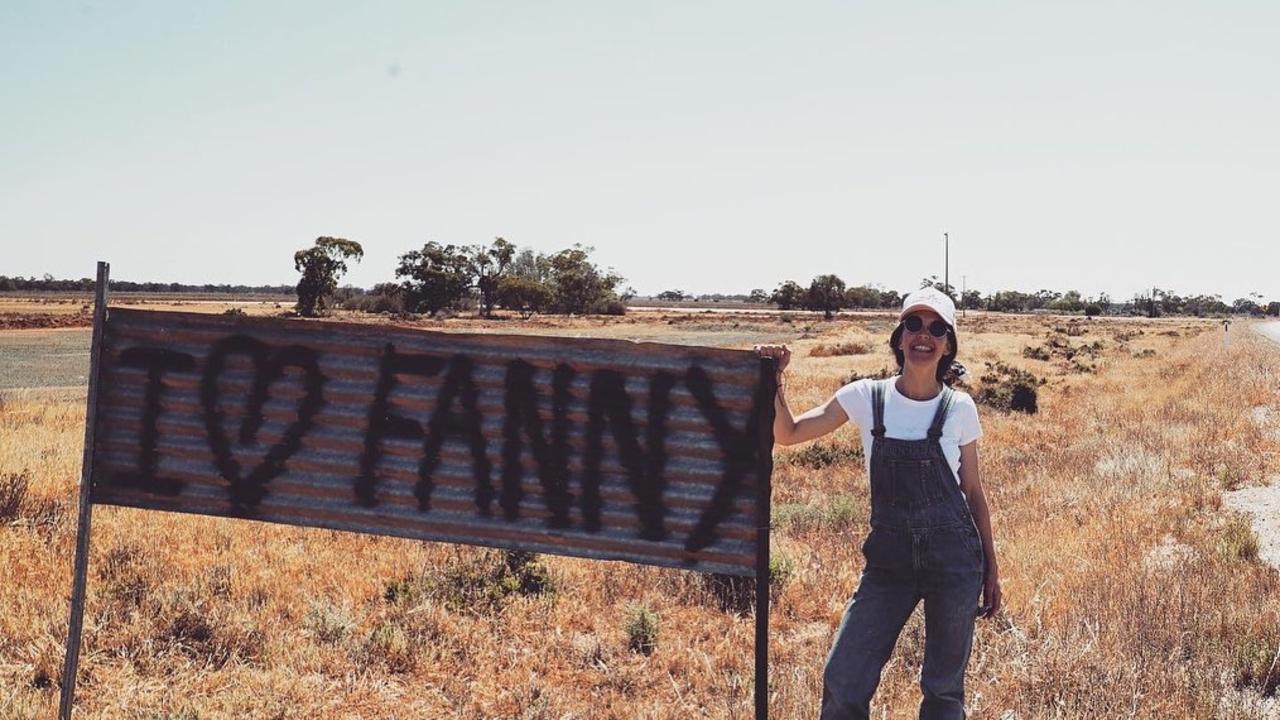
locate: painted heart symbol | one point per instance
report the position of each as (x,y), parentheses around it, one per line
(268,367)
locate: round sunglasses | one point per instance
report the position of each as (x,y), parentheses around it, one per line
(915,323)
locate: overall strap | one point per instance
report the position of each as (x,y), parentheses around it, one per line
(878,390)
(940,417)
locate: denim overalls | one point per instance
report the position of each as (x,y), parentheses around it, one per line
(922,546)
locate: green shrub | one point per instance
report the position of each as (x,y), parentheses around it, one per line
(1008,388)
(737,594)
(1238,540)
(1253,662)
(482,582)
(641,628)
(327,622)
(842,512)
(1092,310)
(389,644)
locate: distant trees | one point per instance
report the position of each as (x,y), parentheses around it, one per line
(490,265)
(788,295)
(441,277)
(579,287)
(672,295)
(435,277)
(933,282)
(863,296)
(85,285)
(321,265)
(826,293)
(525,295)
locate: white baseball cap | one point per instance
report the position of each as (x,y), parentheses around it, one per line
(933,299)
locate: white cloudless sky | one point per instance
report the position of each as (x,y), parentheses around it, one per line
(706,146)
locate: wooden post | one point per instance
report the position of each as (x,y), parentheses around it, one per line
(86,501)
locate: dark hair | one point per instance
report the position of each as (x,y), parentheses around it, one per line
(944,365)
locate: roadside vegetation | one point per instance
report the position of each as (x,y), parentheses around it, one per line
(1130,590)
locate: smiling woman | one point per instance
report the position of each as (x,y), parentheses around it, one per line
(930,533)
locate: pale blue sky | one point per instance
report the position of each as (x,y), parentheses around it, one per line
(708,146)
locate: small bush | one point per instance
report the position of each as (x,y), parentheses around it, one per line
(612,307)
(880,374)
(1238,540)
(781,570)
(125,576)
(821,454)
(234,312)
(841,513)
(327,622)
(1092,310)
(1036,353)
(389,644)
(532,577)
(642,629)
(1254,665)
(1008,388)
(844,348)
(13,491)
(482,583)
(1145,353)
(737,594)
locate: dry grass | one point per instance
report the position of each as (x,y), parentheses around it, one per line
(194,617)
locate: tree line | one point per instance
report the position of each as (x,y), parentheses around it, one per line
(50,284)
(440,278)
(444,277)
(829,294)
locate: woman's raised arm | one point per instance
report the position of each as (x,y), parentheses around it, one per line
(787,429)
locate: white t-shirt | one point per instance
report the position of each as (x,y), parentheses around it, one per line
(908,419)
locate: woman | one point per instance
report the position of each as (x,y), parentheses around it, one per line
(930,533)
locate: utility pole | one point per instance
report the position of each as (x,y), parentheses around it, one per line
(946,265)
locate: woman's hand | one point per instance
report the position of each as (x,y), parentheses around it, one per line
(781,354)
(992,596)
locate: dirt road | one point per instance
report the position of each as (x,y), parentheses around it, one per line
(1262,503)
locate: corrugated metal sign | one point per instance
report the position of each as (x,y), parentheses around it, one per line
(598,448)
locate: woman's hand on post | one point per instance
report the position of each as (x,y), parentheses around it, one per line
(781,354)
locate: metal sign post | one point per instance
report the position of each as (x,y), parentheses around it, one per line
(764,493)
(86,504)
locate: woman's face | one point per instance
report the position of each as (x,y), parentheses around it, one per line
(920,348)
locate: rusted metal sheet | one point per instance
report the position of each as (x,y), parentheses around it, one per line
(609,449)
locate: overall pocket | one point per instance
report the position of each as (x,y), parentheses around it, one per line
(915,483)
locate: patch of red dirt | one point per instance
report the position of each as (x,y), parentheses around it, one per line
(29,321)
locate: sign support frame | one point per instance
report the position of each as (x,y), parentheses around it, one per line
(76,621)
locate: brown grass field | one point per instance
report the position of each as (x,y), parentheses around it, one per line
(1130,591)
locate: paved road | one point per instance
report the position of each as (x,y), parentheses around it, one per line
(1270,329)
(44,358)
